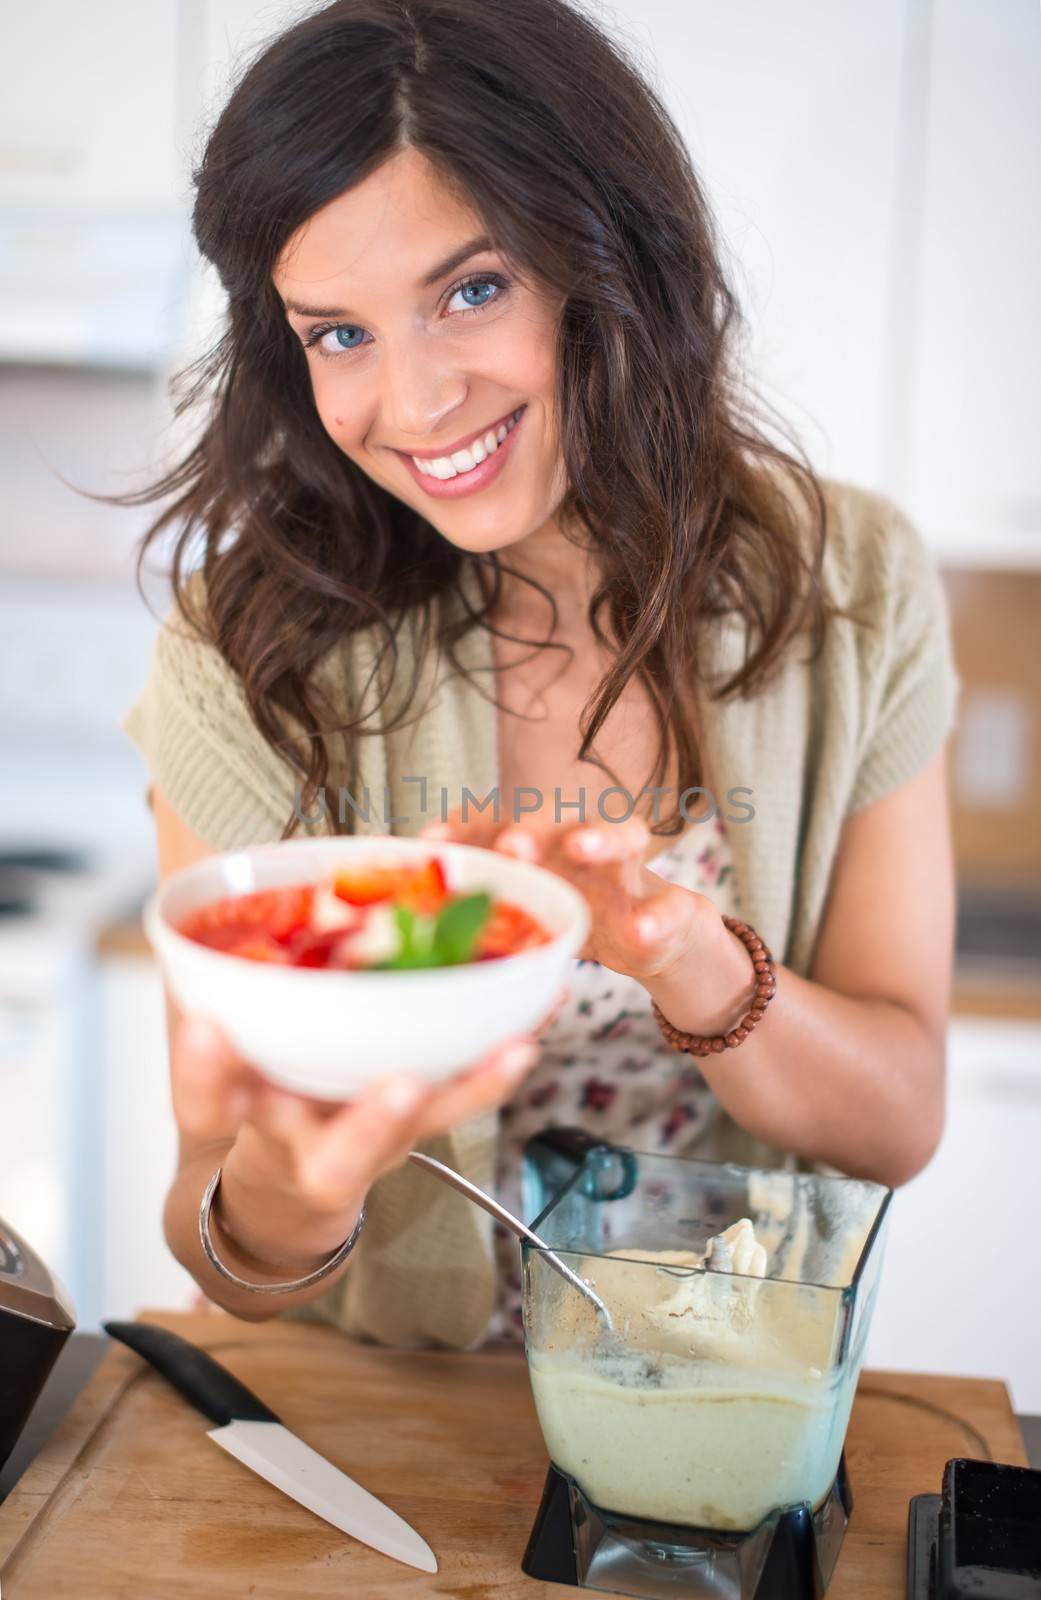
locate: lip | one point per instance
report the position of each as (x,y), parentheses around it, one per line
(468,482)
(460,444)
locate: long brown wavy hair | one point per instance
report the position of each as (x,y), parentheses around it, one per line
(541,123)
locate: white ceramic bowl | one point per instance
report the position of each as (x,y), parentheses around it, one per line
(325,1033)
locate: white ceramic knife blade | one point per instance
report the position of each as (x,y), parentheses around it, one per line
(268,1448)
(251,1432)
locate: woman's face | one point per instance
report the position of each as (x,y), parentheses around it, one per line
(403,367)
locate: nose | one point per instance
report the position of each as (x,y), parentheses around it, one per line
(418,398)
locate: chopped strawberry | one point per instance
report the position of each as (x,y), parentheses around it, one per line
(279,912)
(257,948)
(366,886)
(423,887)
(508,930)
(307,949)
(286,911)
(309,925)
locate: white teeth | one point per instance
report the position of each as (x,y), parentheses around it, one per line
(443,467)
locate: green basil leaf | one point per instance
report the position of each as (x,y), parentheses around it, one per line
(459,924)
(417,948)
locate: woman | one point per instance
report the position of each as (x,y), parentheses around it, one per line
(451,221)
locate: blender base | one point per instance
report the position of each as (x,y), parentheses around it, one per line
(791,1555)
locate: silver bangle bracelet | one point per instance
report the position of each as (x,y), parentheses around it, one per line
(323,1271)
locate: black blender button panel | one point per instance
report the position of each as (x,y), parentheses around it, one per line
(980,1539)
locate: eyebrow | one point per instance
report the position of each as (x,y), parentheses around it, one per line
(472,247)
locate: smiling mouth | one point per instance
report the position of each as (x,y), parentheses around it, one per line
(457,462)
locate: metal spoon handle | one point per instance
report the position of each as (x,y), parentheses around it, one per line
(480,1198)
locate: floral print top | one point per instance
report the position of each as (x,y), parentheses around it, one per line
(606,1066)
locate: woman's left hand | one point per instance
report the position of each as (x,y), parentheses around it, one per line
(641,926)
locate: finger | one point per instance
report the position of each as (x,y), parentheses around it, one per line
(212,1088)
(607,841)
(519,841)
(484,1086)
(337,1161)
(289,1118)
(477,827)
(437,830)
(604,860)
(661,926)
(552,1014)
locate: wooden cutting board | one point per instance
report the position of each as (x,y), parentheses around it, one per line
(130,1501)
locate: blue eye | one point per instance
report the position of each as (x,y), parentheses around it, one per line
(343,332)
(481,283)
(340,332)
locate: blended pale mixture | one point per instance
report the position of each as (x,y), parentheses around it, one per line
(739,1413)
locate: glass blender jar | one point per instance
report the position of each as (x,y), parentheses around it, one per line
(720,1399)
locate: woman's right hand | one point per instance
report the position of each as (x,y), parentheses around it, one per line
(298,1168)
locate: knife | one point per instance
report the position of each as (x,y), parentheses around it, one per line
(256,1437)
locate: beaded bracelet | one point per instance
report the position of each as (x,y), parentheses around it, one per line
(765,989)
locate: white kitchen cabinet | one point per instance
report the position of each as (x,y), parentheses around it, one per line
(38,1150)
(96,120)
(62,426)
(92,98)
(970,470)
(139,1144)
(961,1284)
(793,118)
(877,175)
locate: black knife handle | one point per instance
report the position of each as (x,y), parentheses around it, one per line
(203,1381)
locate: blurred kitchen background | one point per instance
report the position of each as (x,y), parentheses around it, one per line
(877,174)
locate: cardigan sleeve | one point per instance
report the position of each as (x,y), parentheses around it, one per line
(191,723)
(912,701)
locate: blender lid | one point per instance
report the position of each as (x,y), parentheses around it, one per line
(28,1288)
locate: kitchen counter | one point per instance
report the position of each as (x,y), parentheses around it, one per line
(124,937)
(129,1496)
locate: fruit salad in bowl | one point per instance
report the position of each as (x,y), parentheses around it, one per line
(373,917)
(330,961)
